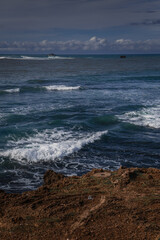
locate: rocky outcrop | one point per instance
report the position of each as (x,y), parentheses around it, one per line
(118,205)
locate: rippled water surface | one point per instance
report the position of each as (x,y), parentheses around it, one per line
(75,113)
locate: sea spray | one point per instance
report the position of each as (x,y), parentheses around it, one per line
(48,145)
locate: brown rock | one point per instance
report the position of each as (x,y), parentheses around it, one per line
(52,177)
(119,205)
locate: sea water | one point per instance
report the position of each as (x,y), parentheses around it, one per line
(74,113)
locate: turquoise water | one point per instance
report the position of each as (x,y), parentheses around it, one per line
(75,113)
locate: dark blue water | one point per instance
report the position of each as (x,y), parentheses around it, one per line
(75,113)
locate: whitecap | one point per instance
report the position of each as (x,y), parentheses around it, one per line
(147,117)
(32,58)
(14,90)
(49,145)
(58,57)
(9,58)
(36,58)
(45,58)
(61,88)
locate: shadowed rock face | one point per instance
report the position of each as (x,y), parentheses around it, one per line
(124,204)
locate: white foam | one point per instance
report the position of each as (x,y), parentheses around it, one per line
(49,145)
(61,88)
(147,117)
(35,58)
(32,58)
(58,57)
(14,90)
(44,58)
(21,58)
(9,57)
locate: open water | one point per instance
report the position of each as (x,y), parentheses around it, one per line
(75,113)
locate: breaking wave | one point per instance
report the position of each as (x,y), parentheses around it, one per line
(35,58)
(9,58)
(44,58)
(147,117)
(58,57)
(48,145)
(61,88)
(3,57)
(32,58)
(41,88)
(14,90)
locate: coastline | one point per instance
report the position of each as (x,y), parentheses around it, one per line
(123,204)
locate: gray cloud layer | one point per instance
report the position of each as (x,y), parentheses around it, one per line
(81,14)
(93,45)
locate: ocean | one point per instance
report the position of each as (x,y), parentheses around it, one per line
(73,113)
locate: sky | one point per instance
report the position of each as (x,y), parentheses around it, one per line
(79,26)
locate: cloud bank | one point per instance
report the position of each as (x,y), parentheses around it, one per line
(93,45)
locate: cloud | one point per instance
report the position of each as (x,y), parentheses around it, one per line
(35,20)
(93,45)
(147,22)
(150,45)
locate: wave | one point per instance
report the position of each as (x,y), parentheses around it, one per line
(9,58)
(49,145)
(3,57)
(22,58)
(58,57)
(50,88)
(35,58)
(61,88)
(147,117)
(40,88)
(45,58)
(14,90)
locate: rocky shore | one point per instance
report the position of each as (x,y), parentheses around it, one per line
(101,205)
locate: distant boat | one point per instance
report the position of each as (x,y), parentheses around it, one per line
(51,55)
(122,56)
